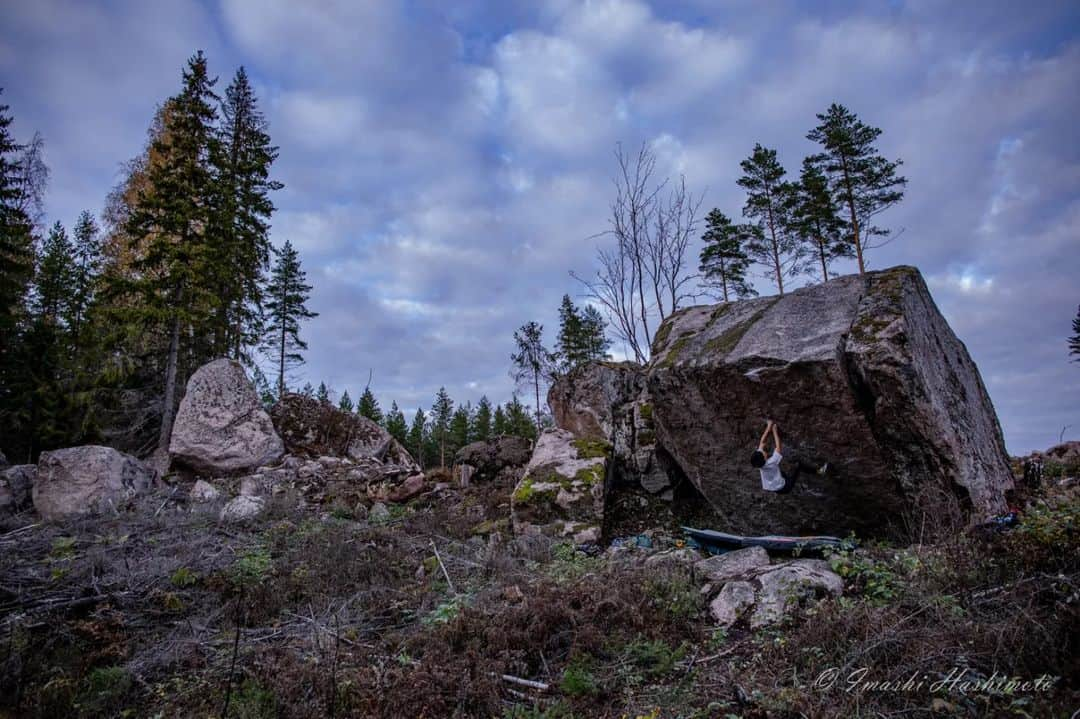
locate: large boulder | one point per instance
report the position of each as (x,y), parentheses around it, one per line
(16,484)
(562,491)
(221,427)
(862,372)
(313,428)
(610,401)
(489,457)
(81,480)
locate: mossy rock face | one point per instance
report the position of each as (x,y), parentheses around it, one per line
(564,483)
(592,448)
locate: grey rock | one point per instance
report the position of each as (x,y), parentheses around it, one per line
(221,427)
(862,372)
(16,484)
(783,586)
(723,567)
(488,458)
(673,559)
(732,602)
(379,512)
(81,480)
(241,508)
(562,491)
(203,492)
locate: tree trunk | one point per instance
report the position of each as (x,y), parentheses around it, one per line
(168,413)
(854,216)
(536,383)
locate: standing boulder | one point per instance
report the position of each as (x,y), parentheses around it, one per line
(221,427)
(562,491)
(81,480)
(16,484)
(317,429)
(861,372)
(490,457)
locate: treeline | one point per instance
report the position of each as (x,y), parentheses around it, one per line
(100,329)
(800,227)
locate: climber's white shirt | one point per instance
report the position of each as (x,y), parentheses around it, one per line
(771,479)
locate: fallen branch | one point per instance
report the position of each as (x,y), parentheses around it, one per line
(523,682)
(443,567)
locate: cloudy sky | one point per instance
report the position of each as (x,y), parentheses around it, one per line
(445,163)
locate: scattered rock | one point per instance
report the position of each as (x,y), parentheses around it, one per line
(244,507)
(81,480)
(490,457)
(862,372)
(783,586)
(722,567)
(732,602)
(204,492)
(16,485)
(673,559)
(379,512)
(221,427)
(561,493)
(408,489)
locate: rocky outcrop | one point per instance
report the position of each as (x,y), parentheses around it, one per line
(81,480)
(16,484)
(221,427)
(609,401)
(767,594)
(562,491)
(487,458)
(862,372)
(317,429)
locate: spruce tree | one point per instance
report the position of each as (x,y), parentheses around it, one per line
(594,339)
(817,221)
(167,231)
(242,156)
(459,427)
(581,336)
(518,421)
(286,298)
(368,406)
(533,363)
(442,411)
(481,422)
(345,404)
(262,387)
(415,441)
(323,393)
(770,202)
(86,251)
(499,425)
(862,182)
(724,259)
(307,391)
(396,426)
(54,283)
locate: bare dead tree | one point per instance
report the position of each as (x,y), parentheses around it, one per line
(644,277)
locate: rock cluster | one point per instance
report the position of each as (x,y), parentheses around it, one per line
(485,460)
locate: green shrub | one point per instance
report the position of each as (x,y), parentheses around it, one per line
(578,679)
(183,577)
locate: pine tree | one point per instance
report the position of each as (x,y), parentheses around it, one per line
(499,425)
(345,404)
(16,250)
(242,156)
(87,268)
(167,228)
(533,363)
(817,221)
(368,407)
(1074,341)
(323,393)
(481,422)
(442,411)
(415,441)
(862,181)
(769,202)
(724,260)
(396,426)
(286,298)
(54,283)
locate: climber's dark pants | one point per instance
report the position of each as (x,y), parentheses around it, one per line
(790,477)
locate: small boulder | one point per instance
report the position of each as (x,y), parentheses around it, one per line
(408,489)
(562,491)
(784,585)
(221,427)
(203,492)
(489,457)
(673,559)
(16,484)
(80,480)
(379,512)
(732,602)
(244,507)
(722,567)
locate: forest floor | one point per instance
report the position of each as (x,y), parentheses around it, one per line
(160,610)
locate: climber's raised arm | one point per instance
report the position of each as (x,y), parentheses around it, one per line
(776,438)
